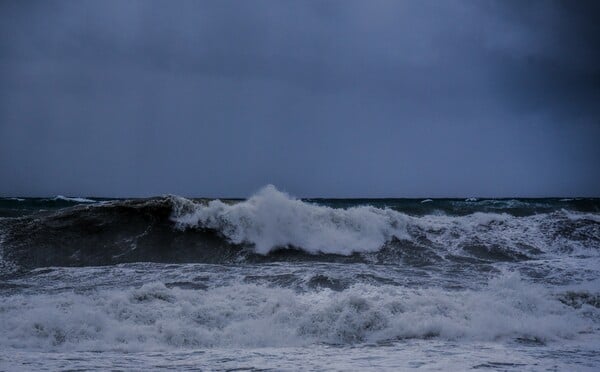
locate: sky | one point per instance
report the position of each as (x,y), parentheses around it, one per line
(319,98)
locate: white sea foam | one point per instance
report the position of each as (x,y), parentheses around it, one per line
(272,219)
(548,233)
(77,200)
(155,317)
(578,216)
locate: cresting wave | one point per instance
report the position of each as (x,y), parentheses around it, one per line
(155,317)
(272,219)
(271,225)
(174,277)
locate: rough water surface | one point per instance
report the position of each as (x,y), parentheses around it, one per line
(279,283)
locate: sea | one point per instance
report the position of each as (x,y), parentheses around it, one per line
(278,283)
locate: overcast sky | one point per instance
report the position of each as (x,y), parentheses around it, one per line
(319,98)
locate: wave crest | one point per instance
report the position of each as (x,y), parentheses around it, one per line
(175,229)
(272,219)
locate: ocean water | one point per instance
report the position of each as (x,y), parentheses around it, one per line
(278,283)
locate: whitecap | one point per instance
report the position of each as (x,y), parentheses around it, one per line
(74,199)
(272,219)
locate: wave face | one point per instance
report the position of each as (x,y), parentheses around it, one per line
(272,226)
(502,283)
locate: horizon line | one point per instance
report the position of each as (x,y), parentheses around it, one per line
(300,197)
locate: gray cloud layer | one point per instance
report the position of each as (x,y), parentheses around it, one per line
(321,98)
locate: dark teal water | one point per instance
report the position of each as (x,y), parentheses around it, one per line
(278,283)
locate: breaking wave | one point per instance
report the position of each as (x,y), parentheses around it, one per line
(271,219)
(153,316)
(273,225)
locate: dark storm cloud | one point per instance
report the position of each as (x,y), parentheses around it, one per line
(319,98)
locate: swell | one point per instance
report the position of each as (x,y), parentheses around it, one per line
(115,232)
(16,207)
(272,226)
